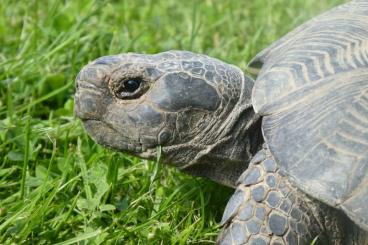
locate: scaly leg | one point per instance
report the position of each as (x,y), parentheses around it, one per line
(266,209)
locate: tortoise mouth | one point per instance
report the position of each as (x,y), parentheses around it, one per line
(106,135)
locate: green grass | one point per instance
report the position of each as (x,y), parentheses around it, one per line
(56,184)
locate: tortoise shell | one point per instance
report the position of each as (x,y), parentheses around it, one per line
(312,92)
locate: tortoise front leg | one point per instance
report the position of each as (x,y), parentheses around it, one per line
(266,209)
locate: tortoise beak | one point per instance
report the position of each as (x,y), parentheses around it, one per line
(86,108)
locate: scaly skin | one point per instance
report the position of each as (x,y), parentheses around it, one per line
(267,209)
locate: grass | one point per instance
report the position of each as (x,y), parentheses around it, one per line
(56,185)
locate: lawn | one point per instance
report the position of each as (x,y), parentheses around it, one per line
(59,187)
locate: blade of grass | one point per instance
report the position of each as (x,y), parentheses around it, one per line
(26,151)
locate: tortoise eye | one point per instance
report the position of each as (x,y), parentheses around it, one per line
(131,85)
(131,88)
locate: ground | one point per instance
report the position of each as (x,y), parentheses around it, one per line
(56,185)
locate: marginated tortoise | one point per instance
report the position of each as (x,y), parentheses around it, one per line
(294,142)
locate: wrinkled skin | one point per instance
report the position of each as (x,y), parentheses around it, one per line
(195,107)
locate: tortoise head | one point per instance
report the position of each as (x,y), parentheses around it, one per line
(195,107)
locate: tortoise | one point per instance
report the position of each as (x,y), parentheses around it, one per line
(294,142)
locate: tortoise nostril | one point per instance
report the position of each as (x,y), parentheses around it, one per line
(77,85)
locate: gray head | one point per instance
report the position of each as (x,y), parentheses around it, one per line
(195,107)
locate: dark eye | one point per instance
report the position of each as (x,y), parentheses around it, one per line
(131,85)
(129,89)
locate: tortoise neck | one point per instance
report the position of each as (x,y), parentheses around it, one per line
(224,161)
